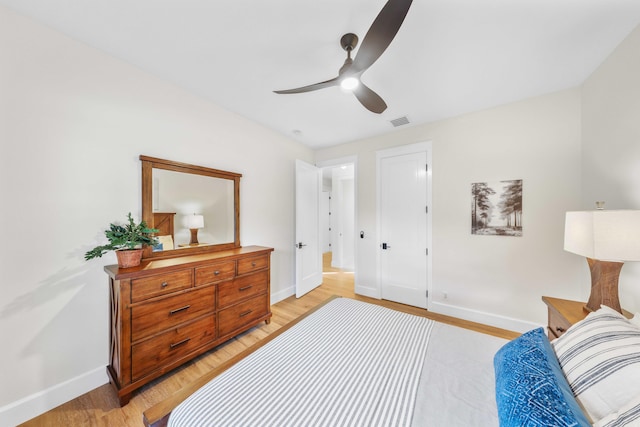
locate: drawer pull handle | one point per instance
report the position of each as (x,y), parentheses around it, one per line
(179,343)
(177,310)
(244,288)
(215,273)
(245,313)
(164,285)
(253,264)
(559,329)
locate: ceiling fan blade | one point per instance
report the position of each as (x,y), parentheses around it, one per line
(381,33)
(309,88)
(369,99)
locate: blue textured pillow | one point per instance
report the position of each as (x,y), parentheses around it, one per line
(530,387)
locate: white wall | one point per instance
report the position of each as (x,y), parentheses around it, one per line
(73,123)
(611,146)
(495,279)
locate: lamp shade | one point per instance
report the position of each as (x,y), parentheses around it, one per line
(608,235)
(194,221)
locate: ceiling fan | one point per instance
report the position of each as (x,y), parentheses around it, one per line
(375,42)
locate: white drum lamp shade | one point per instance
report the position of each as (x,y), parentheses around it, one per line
(195,221)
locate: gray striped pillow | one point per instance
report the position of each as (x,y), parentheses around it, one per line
(628,416)
(600,356)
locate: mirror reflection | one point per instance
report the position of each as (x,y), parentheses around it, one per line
(195,208)
(192,210)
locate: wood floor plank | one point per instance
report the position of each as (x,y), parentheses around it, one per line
(100,407)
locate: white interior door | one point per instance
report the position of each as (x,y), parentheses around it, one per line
(308,249)
(402,190)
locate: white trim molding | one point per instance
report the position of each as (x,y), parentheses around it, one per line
(38,403)
(497,321)
(283,294)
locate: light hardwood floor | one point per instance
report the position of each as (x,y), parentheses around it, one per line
(100,407)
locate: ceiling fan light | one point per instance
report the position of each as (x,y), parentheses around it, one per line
(350,83)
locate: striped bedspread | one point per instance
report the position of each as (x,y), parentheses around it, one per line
(349,364)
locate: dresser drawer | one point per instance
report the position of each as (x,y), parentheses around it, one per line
(241,314)
(557,323)
(242,288)
(156,316)
(145,288)
(215,272)
(160,351)
(247,265)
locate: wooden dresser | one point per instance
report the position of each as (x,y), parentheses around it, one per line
(166,312)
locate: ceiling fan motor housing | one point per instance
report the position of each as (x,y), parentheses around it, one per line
(349,42)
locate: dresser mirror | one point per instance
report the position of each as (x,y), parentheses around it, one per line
(196,209)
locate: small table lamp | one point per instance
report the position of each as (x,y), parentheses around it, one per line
(607,239)
(194,222)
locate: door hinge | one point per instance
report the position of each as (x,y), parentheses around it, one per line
(426,251)
(427,293)
(426,167)
(426,209)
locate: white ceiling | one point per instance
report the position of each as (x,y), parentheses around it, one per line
(450,57)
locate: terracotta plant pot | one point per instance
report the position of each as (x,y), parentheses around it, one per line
(129,257)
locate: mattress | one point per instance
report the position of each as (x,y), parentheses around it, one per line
(457,385)
(355,364)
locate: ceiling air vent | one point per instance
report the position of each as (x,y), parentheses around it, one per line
(400,121)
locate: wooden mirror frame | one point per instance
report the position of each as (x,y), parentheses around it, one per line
(150,163)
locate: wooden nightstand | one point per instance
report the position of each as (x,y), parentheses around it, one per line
(563,313)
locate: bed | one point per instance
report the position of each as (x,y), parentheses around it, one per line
(355,363)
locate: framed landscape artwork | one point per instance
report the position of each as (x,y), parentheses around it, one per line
(496,208)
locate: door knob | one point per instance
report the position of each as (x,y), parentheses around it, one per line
(385,246)
(300,245)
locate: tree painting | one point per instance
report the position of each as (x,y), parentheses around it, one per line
(496,208)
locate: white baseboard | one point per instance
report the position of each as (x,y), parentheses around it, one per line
(38,403)
(498,321)
(283,294)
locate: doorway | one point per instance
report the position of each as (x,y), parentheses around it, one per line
(338,222)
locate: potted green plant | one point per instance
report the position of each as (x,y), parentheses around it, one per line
(128,241)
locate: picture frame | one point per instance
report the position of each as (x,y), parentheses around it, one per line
(496,208)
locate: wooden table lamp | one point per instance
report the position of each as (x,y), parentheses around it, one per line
(607,238)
